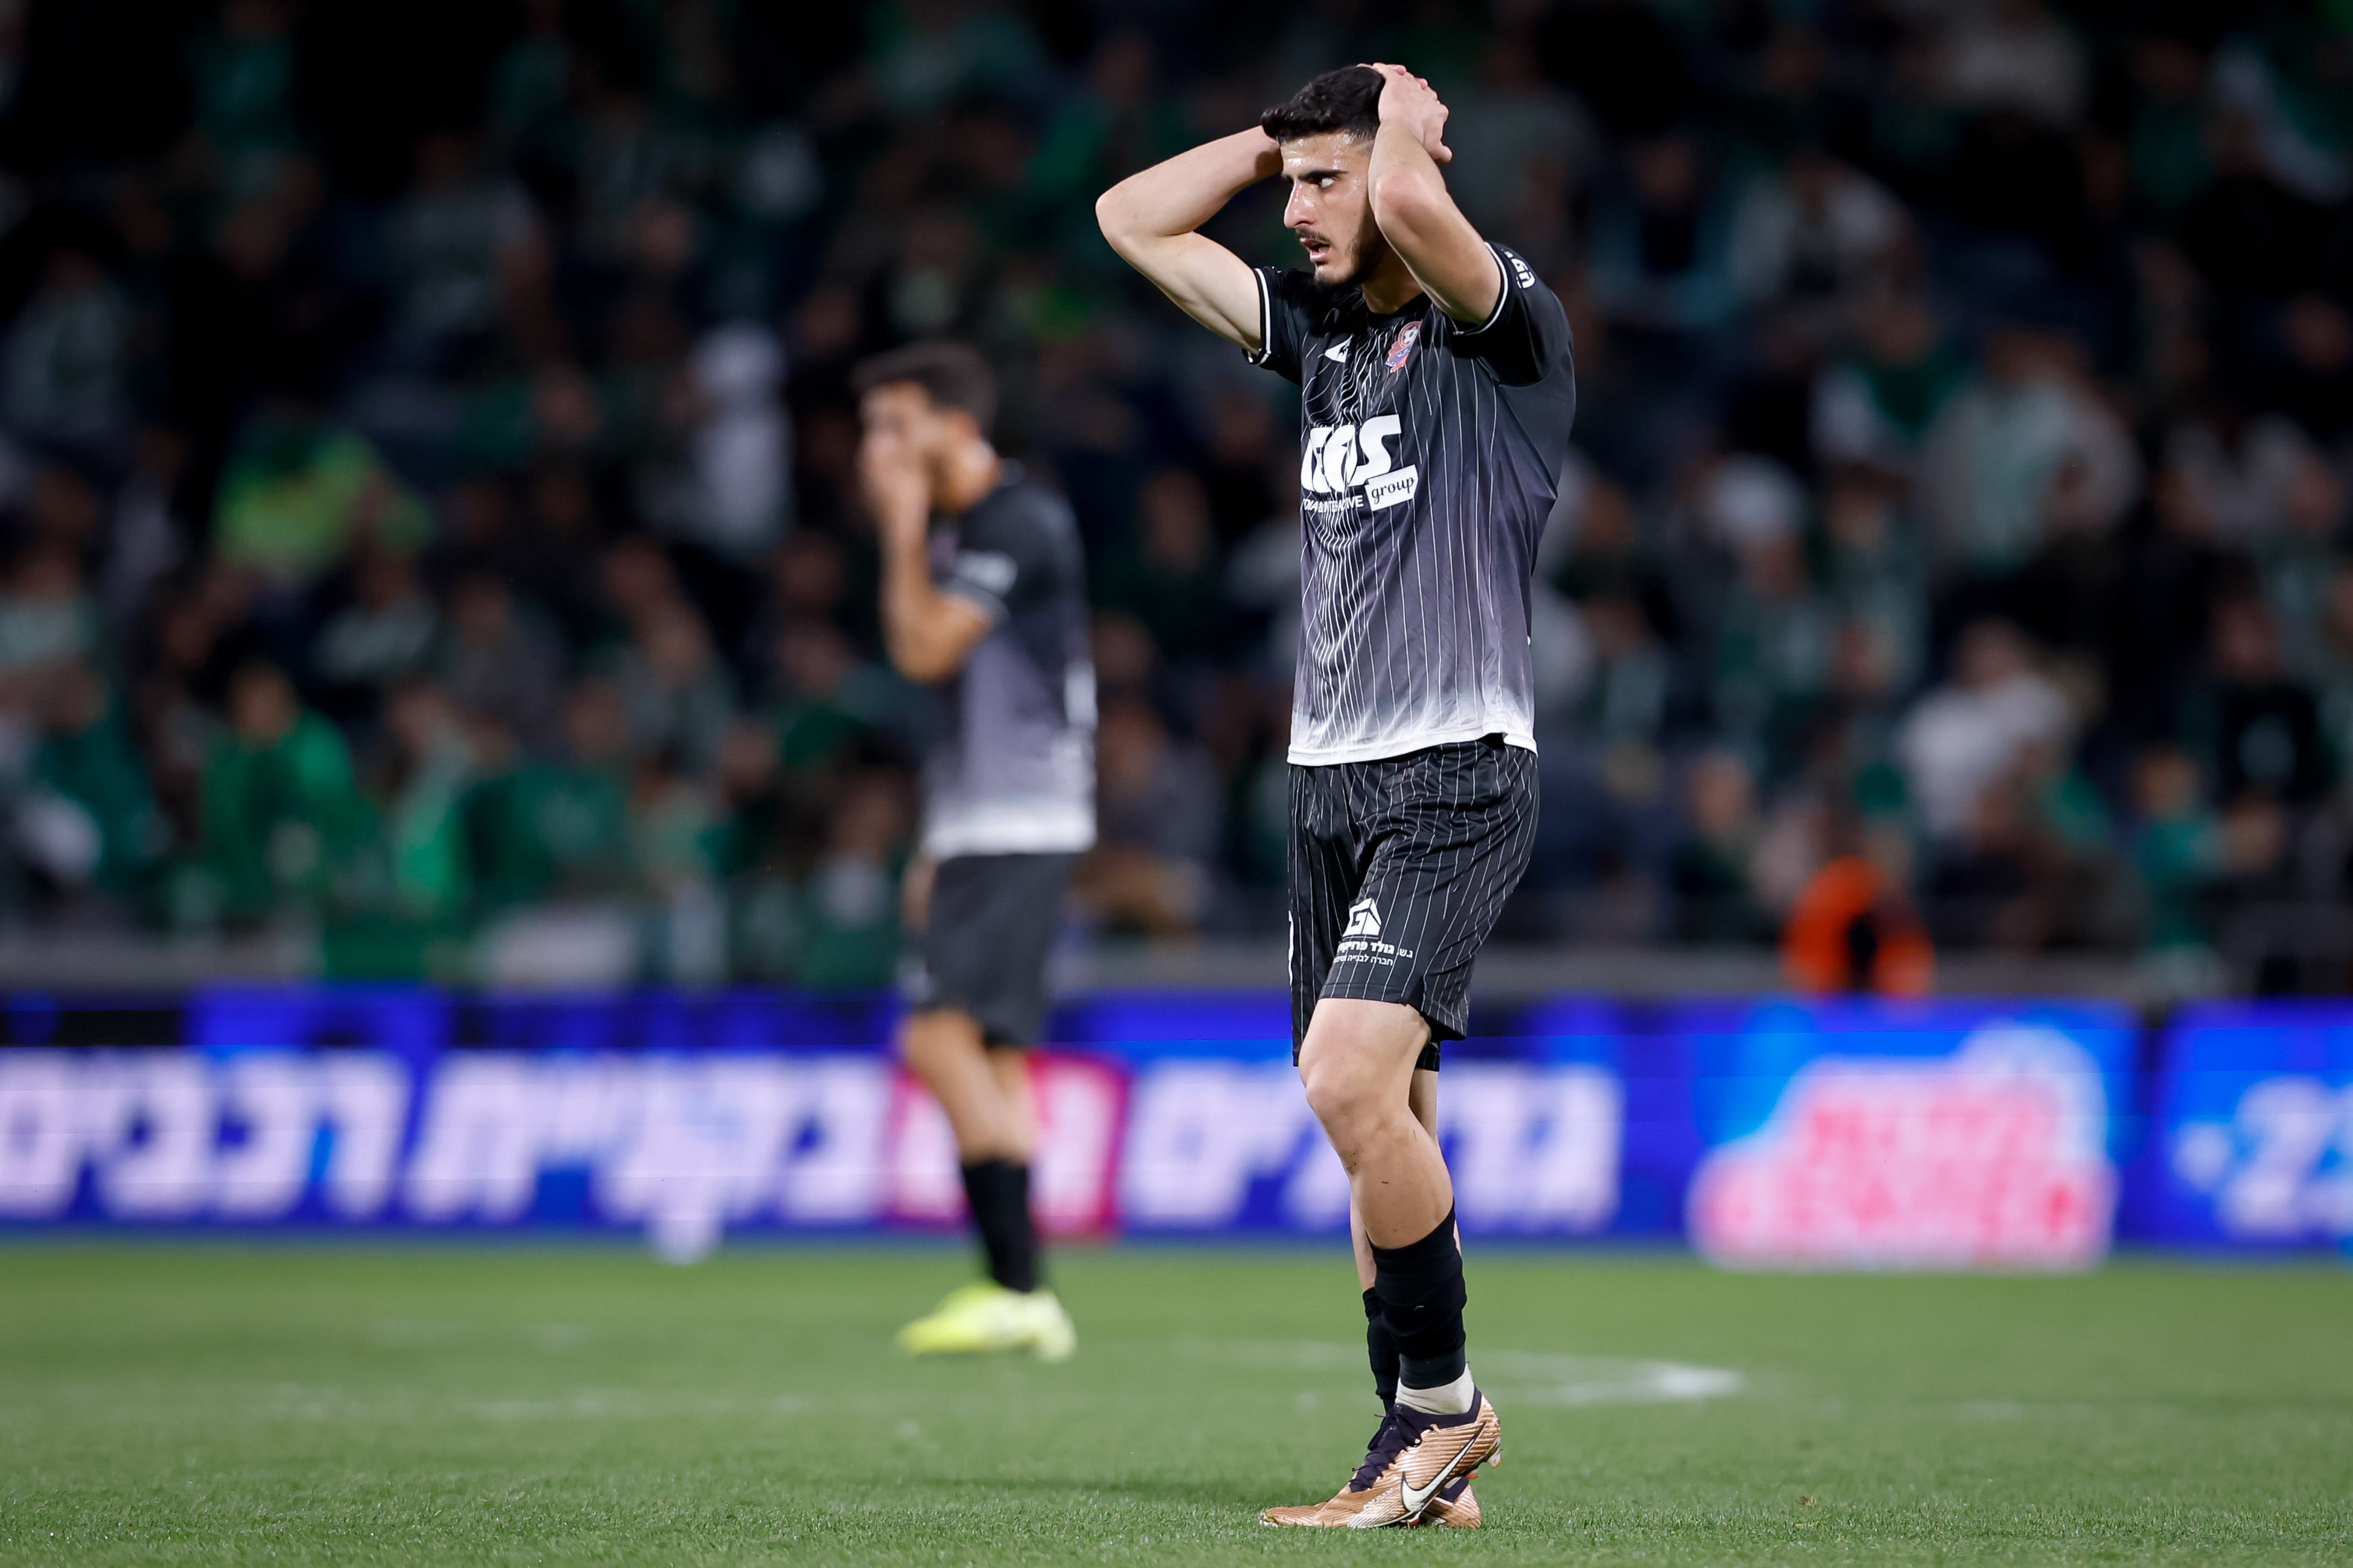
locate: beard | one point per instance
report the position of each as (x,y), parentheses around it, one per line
(1369,252)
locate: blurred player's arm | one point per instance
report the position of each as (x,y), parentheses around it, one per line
(926,632)
(1415,215)
(1149,219)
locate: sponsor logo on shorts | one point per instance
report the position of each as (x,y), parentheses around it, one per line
(1361,942)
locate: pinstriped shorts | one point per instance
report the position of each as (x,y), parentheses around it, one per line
(1398,869)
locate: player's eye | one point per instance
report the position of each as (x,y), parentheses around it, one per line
(1324,182)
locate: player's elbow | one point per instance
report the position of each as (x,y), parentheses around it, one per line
(922,661)
(1117,220)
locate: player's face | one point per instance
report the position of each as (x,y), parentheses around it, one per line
(1331,208)
(902,415)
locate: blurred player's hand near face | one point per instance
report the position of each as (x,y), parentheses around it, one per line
(895,461)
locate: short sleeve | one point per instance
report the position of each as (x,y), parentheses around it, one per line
(1009,556)
(1526,338)
(1285,319)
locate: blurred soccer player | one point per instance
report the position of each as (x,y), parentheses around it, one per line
(984,598)
(1436,394)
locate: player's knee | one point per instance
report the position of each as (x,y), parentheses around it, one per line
(1344,1100)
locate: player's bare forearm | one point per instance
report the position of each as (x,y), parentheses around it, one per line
(1413,210)
(922,628)
(1150,219)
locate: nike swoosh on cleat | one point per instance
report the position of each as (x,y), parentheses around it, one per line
(1415,1499)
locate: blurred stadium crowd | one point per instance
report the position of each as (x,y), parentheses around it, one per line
(427,496)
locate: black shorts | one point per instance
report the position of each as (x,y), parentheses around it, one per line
(1399,868)
(984,945)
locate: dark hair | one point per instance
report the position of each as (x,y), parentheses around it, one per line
(952,375)
(1345,99)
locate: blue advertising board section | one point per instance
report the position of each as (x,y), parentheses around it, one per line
(2254,1127)
(1772,1133)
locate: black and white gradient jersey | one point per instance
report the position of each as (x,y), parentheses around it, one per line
(1010,769)
(1429,458)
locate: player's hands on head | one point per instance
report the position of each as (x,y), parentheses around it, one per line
(897,492)
(1410,102)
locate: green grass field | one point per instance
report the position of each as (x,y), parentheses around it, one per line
(172,1404)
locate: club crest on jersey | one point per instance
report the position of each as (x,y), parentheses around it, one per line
(1401,347)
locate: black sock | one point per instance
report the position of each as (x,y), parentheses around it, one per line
(998,1192)
(1380,1347)
(1420,1288)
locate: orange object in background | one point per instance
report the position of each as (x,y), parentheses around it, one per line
(1853,930)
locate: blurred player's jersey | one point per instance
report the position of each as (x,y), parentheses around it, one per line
(1429,458)
(1010,766)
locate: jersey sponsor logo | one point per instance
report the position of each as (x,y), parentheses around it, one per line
(1520,271)
(1401,348)
(1337,353)
(1393,489)
(1339,460)
(1364,918)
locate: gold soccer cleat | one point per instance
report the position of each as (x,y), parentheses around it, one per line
(1416,1471)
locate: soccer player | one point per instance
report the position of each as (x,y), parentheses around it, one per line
(1436,394)
(984,599)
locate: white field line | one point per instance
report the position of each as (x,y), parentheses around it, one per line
(1536,1377)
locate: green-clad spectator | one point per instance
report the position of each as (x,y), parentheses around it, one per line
(850,902)
(1876,405)
(243,72)
(2177,851)
(828,699)
(677,694)
(2168,135)
(280,809)
(86,759)
(428,858)
(675,833)
(531,83)
(759,849)
(46,614)
(1119,121)
(1776,631)
(1167,576)
(400,911)
(560,829)
(679,841)
(555,412)
(298,491)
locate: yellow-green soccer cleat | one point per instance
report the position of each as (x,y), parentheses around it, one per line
(982,1317)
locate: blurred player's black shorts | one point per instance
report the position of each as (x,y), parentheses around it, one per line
(983,950)
(1398,869)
